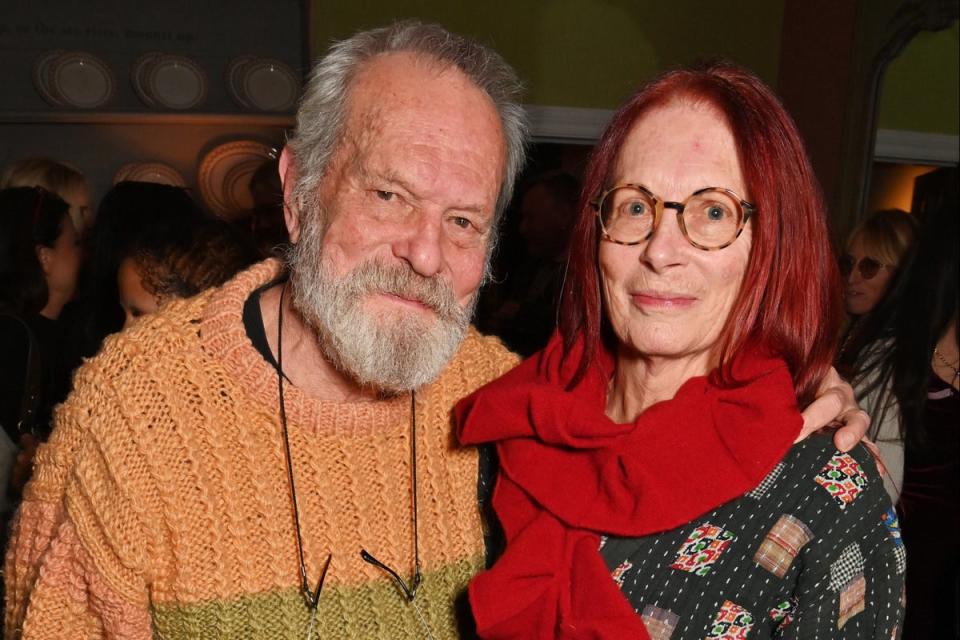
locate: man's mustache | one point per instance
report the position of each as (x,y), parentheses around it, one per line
(400,280)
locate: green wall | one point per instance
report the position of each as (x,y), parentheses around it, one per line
(583,53)
(919,91)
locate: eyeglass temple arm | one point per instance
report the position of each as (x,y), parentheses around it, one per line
(411,591)
(314,598)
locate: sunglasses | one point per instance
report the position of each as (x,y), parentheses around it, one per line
(867,266)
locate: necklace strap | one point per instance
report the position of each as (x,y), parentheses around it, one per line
(310,596)
(956,370)
(409,590)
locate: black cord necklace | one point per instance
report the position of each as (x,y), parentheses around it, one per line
(312,596)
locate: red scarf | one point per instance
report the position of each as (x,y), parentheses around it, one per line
(569,474)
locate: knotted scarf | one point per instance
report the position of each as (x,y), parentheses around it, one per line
(569,474)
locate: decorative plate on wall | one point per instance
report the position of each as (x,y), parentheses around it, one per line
(81,80)
(270,85)
(225,172)
(262,84)
(175,82)
(138,77)
(73,79)
(234,79)
(40,76)
(149,172)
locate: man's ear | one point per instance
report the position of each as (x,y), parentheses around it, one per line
(288,178)
(44,256)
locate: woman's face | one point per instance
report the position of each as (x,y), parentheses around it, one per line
(134,298)
(82,214)
(664,297)
(861,295)
(61,262)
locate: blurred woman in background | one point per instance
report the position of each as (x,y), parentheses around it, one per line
(39,262)
(59,178)
(871,266)
(132,215)
(205,257)
(873,254)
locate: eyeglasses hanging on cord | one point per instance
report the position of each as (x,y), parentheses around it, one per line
(312,596)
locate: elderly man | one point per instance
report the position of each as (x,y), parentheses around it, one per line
(274,459)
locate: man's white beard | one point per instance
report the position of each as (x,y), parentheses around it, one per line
(394,353)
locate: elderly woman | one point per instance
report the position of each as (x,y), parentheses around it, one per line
(649,481)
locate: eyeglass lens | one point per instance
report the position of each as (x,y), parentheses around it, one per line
(867,266)
(710,219)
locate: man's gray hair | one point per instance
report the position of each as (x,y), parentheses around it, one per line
(323,109)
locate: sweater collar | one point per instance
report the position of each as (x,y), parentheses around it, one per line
(224,337)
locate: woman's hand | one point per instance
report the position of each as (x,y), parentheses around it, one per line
(836,408)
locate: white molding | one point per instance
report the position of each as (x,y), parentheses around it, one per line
(567,124)
(584,126)
(916,147)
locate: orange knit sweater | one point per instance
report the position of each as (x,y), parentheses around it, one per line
(160,506)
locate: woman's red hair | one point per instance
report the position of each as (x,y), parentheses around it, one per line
(790,297)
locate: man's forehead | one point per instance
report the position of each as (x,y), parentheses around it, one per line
(400,65)
(412,102)
(380,92)
(407,82)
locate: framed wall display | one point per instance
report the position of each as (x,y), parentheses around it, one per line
(161,56)
(106,85)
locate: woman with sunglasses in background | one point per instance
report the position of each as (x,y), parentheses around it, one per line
(874,251)
(870,267)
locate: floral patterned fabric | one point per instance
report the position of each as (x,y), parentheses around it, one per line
(813,551)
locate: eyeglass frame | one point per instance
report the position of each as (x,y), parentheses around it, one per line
(747,209)
(857,265)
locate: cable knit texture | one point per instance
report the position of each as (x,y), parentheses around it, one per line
(160,506)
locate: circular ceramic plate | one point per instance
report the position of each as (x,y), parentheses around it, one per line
(81,80)
(235,187)
(234,79)
(138,77)
(225,172)
(149,172)
(41,68)
(176,82)
(270,85)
